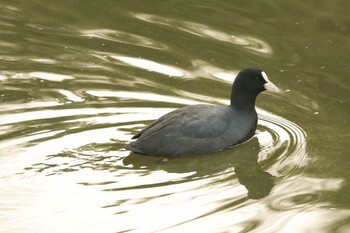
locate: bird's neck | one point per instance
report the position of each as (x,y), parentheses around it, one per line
(240,99)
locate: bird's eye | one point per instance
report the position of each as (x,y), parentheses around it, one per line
(257,78)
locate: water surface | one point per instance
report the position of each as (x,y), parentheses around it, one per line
(78,79)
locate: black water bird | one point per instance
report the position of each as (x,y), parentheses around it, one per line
(203,129)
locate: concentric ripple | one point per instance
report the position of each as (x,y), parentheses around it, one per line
(283,142)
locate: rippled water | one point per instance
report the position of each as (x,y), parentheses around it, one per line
(78,80)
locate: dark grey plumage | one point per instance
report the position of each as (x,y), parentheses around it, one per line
(202,129)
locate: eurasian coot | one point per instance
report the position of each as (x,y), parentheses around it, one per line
(203,129)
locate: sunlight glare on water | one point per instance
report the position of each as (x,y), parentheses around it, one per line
(151,66)
(249,42)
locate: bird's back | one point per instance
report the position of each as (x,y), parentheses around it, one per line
(197,129)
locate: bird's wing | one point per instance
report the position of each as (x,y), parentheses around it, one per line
(198,121)
(208,122)
(158,124)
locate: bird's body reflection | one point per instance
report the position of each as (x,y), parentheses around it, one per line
(244,160)
(258,182)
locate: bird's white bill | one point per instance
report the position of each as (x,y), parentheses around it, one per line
(269,86)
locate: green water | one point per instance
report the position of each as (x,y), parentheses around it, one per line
(79,78)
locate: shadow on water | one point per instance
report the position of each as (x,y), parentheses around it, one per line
(244,160)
